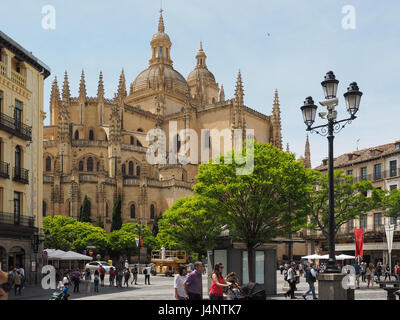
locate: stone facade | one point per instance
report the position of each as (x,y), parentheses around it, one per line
(21,134)
(97,147)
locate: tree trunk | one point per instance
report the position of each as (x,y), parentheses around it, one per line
(251,266)
(290,247)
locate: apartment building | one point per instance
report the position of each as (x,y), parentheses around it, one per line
(380,165)
(21,176)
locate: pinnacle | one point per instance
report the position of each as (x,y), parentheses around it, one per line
(82,86)
(100,87)
(65,92)
(161,27)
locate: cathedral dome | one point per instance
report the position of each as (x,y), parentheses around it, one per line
(201,71)
(158,75)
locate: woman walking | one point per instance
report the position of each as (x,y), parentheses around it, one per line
(387,272)
(369,272)
(180,278)
(218,283)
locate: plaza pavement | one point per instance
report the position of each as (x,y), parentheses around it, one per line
(162,288)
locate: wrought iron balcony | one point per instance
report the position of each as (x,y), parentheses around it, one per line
(21,175)
(4,169)
(15,127)
(17,219)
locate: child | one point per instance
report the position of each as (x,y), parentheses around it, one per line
(65,293)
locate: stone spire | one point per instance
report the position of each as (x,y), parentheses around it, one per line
(82,87)
(121,95)
(161,27)
(222,94)
(307,155)
(55,92)
(66,95)
(100,88)
(276,123)
(238,103)
(287,147)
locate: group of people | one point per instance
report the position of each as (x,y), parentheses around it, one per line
(16,279)
(189,287)
(292,274)
(118,277)
(370,273)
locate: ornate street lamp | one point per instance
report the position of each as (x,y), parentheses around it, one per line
(352,97)
(139,228)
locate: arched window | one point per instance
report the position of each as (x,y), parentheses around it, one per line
(98,166)
(133,211)
(138,171)
(44,208)
(166,52)
(91,135)
(17,154)
(76,135)
(90,164)
(130,168)
(132,141)
(106,209)
(152,211)
(48,163)
(81,165)
(123,169)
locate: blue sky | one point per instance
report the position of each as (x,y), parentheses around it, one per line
(306,40)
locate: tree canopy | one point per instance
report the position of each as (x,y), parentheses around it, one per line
(192,223)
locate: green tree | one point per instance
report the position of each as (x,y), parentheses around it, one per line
(192,224)
(352,200)
(255,203)
(84,215)
(391,202)
(116,214)
(57,234)
(100,222)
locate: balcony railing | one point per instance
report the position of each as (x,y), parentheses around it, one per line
(48,179)
(4,169)
(18,79)
(3,69)
(89,143)
(21,175)
(89,178)
(15,127)
(131,182)
(17,219)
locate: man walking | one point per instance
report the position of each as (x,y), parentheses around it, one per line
(146,272)
(292,279)
(311,278)
(193,284)
(134,274)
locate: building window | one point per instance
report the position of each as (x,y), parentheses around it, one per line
(17,207)
(69,208)
(152,211)
(397,145)
(393,186)
(260,266)
(377,221)
(18,157)
(91,135)
(377,171)
(166,51)
(98,166)
(44,208)
(132,141)
(133,211)
(349,172)
(393,168)
(364,173)
(138,171)
(76,135)
(363,222)
(80,165)
(160,52)
(90,164)
(48,164)
(106,209)
(18,111)
(130,168)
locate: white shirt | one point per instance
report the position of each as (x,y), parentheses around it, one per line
(22,271)
(148,271)
(126,265)
(178,284)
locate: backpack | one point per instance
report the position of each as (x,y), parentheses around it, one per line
(102,270)
(309,276)
(285,275)
(145,271)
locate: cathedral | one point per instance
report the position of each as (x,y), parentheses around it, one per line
(96,147)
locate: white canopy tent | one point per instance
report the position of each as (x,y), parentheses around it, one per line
(71,255)
(60,255)
(339,257)
(312,257)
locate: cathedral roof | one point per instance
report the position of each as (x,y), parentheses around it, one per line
(201,71)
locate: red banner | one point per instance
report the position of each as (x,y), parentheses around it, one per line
(359,238)
(141,242)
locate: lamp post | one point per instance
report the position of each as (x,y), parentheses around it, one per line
(309,110)
(139,228)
